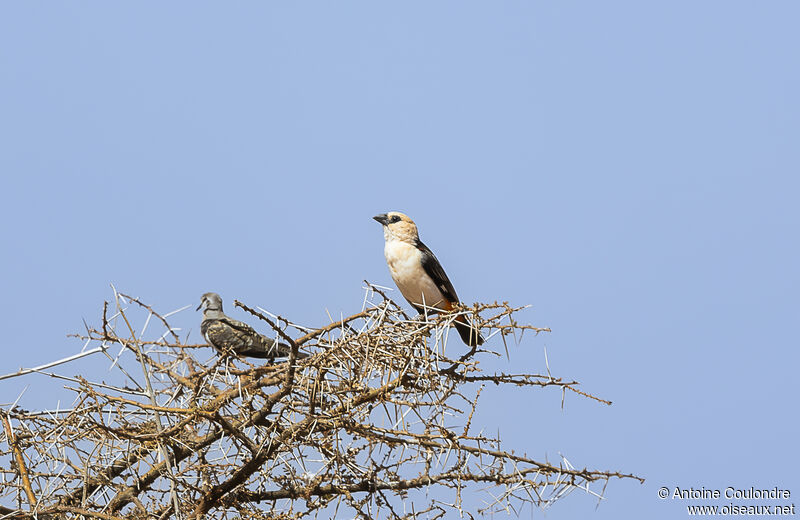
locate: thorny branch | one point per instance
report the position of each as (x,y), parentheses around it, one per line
(369,423)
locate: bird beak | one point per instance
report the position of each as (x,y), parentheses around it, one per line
(383,218)
(199,306)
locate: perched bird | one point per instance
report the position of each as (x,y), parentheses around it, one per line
(418,274)
(226,334)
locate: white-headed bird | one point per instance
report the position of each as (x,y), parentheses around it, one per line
(418,274)
(228,335)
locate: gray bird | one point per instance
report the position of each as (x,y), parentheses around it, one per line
(226,334)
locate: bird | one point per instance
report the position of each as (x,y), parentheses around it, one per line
(418,274)
(226,334)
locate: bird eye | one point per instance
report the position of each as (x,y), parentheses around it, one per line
(394,219)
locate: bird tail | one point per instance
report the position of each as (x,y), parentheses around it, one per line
(469,333)
(283,350)
(272,349)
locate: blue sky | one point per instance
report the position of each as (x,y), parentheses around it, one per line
(629,169)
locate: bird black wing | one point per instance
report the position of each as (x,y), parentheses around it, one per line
(468,332)
(435,270)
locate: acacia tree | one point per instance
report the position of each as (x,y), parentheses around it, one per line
(375,423)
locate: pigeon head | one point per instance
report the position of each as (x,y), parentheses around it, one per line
(210,302)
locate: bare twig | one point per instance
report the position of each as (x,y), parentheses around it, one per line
(21,467)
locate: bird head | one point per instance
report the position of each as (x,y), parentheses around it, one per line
(398,226)
(210,302)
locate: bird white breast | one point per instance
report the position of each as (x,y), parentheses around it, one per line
(405,265)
